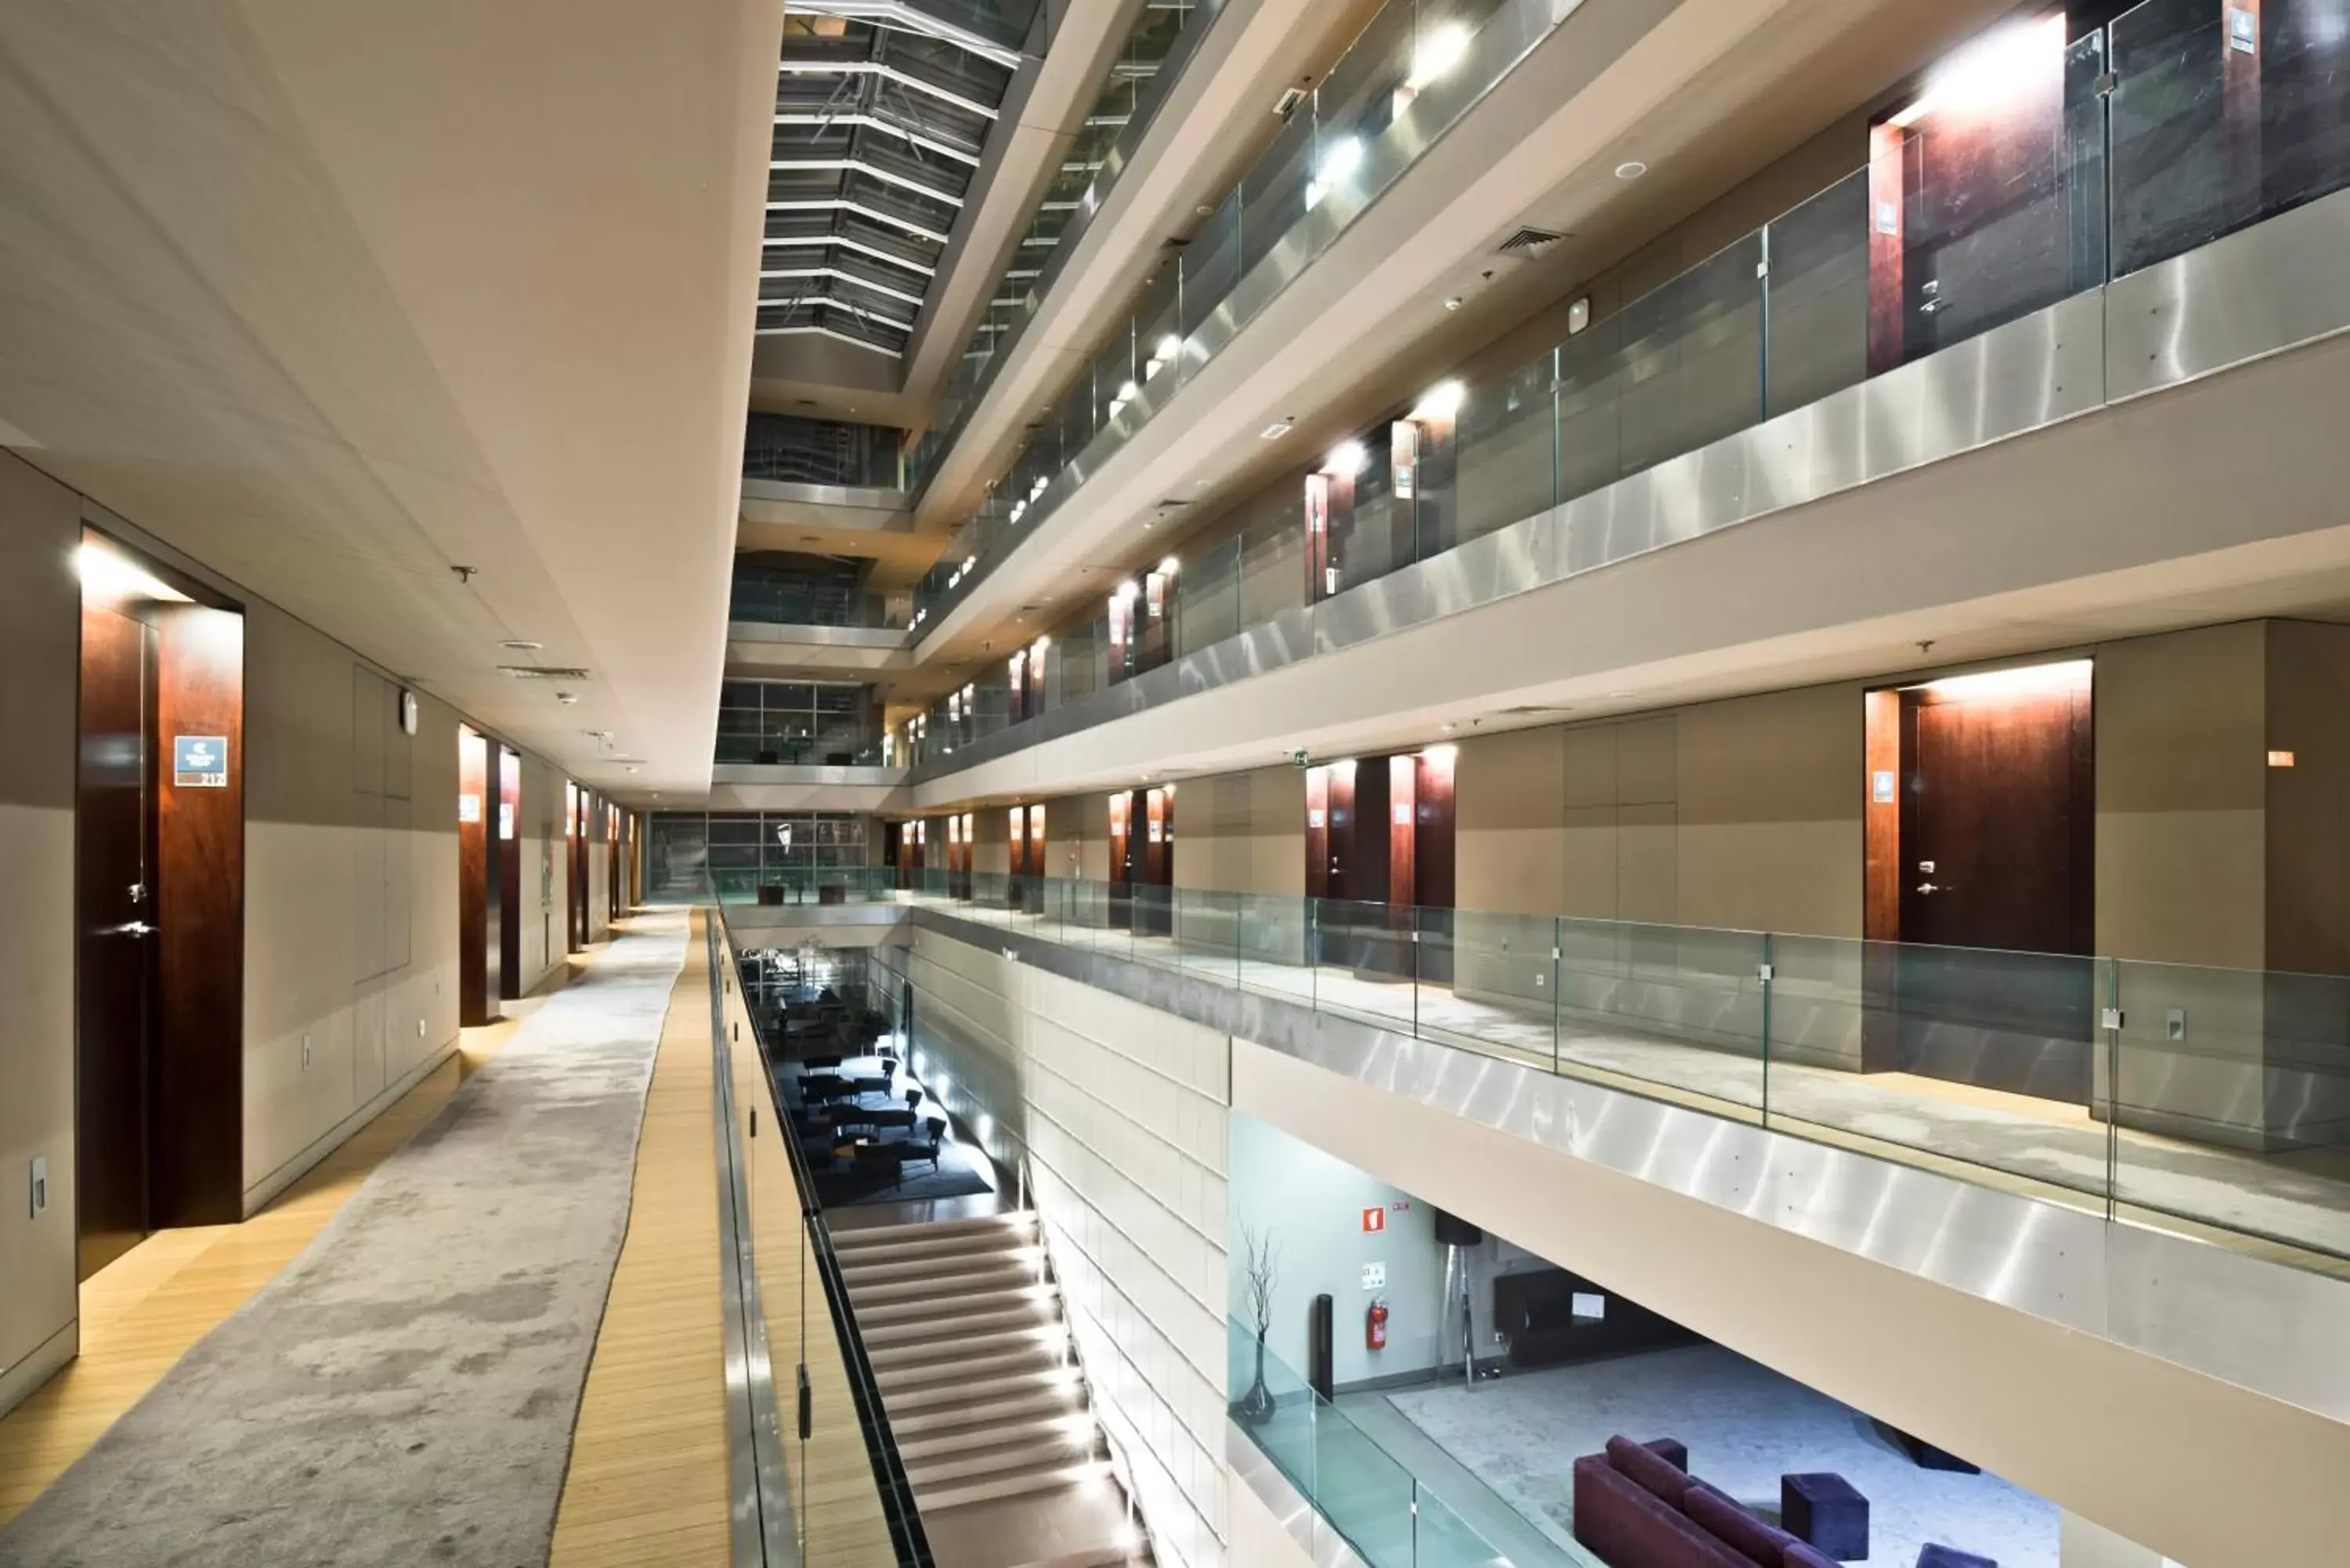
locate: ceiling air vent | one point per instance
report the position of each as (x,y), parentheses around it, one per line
(1528,243)
(1287,104)
(1530,710)
(543,671)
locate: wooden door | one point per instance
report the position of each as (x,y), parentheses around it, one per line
(477,929)
(1995,985)
(114,896)
(1995,850)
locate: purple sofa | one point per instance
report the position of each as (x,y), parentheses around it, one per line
(1637,1509)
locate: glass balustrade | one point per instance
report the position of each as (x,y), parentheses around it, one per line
(1413,70)
(2207,1100)
(1373,1500)
(2076,163)
(1091,165)
(847,1495)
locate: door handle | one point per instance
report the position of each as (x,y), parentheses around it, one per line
(128,929)
(1929,887)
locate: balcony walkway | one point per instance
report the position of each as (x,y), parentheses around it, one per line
(384,1365)
(2290,1208)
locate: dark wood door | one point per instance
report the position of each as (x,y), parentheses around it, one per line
(1996,846)
(1996,987)
(115,901)
(477,932)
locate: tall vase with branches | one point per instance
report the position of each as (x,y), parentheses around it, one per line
(1260,1274)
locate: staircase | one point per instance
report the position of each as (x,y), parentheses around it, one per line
(963,1328)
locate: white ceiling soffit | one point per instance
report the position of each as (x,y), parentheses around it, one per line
(334,296)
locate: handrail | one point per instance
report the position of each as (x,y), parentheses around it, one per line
(2104,1102)
(895,1491)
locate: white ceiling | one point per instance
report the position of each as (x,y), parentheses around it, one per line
(335,296)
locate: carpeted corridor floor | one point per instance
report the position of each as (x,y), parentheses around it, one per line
(404,1392)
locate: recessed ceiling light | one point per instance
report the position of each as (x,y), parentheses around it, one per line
(1453,303)
(1630,169)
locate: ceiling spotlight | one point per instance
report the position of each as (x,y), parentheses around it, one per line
(1453,303)
(1630,169)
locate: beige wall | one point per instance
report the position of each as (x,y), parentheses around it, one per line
(2180,735)
(41,630)
(545,871)
(350,904)
(1077,836)
(991,830)
(1744,813)
(2307,903)
(1118,1112)
(1242,833)
(350,896)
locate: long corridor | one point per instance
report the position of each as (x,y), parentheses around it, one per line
(406,1388)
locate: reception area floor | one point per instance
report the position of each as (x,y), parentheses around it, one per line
(1745,1426)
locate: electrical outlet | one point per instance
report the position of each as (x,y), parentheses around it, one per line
(2174,1025)
(1540,980)
(40,1185)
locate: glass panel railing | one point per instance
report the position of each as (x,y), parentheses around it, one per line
(1091,164)
(2096,157)
(1372,1498)
(815,604)
(1371,116)
(2230,1090)
(2208,1099)
(850,1501)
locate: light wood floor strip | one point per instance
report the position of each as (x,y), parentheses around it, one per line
(149,1307)
(647,1481)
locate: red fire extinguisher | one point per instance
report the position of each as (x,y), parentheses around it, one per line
(1375,1325)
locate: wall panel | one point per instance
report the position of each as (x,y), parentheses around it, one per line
(1120,1112)
(40,629)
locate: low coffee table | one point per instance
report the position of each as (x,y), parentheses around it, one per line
(1823,1509)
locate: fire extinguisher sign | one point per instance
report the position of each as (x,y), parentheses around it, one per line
(1375,1219)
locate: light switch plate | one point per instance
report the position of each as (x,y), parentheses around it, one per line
(420,1029)
(40,1185)
(306,1052)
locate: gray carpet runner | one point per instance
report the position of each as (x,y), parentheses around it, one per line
(404,1391)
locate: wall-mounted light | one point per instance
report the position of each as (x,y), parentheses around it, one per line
(1167,568)
(1438,53)
(1347,458)
(1338,164)
(1983,75)
(107,575)
(2017,682)
(1441,401)
(2280,759)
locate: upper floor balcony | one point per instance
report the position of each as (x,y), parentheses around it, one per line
(2050,227)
